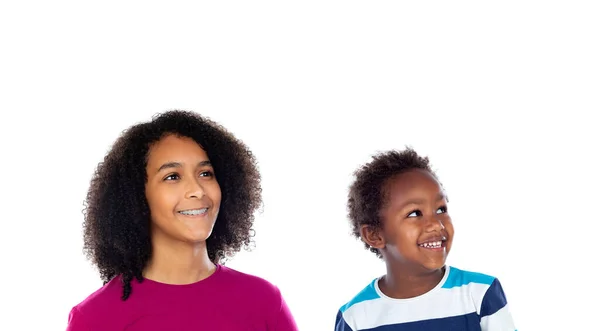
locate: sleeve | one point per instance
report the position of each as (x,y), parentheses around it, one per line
(76,321)
(494,313)
(282,320)
(340,323)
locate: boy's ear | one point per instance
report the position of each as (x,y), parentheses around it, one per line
(372,236)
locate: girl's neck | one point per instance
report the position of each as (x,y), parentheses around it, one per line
(178,263)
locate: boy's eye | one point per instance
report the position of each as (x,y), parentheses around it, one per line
(415,213)
(442,210)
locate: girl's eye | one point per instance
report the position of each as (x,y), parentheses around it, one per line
(206,174)
(442,210)
(415,213)
(172,177)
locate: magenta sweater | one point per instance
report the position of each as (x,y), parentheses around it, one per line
(226,300)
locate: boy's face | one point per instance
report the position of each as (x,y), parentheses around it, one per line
(416,229)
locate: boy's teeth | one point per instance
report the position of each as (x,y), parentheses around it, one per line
(435,244)
(193,211)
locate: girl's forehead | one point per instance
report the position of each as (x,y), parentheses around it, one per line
(175,149)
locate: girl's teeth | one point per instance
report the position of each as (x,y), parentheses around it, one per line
(193,212)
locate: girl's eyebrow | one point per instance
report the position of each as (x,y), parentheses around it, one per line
(169,165)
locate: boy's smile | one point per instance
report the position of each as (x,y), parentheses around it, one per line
(437,243)
(417,231)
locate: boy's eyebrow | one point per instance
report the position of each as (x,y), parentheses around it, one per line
(440,196)
(179,165)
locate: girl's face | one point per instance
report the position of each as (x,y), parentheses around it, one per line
(182,191)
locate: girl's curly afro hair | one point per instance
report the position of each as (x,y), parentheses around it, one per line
(117,216)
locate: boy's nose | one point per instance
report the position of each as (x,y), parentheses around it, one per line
(434,224)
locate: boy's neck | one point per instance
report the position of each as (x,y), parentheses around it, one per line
(402,283)
(178,263)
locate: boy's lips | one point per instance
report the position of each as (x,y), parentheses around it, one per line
(432,239)
(434,243)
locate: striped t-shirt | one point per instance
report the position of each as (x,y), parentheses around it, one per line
(462,301)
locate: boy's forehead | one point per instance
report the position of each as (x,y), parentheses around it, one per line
(413,181)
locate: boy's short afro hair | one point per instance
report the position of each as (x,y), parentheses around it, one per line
(117,216)
(367,194)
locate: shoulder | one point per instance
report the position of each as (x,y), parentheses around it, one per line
(485,290)
(250,285)
(357,308)
(476,284)
(96,306)
(105,295)
(368,293)
(260,298)
(487,295)
(459,277)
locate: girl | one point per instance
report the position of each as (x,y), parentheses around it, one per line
(172,198)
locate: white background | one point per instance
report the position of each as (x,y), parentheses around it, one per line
(502,97)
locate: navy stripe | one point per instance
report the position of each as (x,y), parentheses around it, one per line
(493,300)
(340,324)
(469,322)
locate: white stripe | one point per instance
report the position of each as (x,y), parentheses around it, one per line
(478,292)
(499,321)
(440,303)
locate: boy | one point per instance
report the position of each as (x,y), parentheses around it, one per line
(398,208)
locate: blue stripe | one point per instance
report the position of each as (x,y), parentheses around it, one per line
(368,293)
(468,322)
(493,300)
(458,277)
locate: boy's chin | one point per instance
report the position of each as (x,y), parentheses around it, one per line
(432,264)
